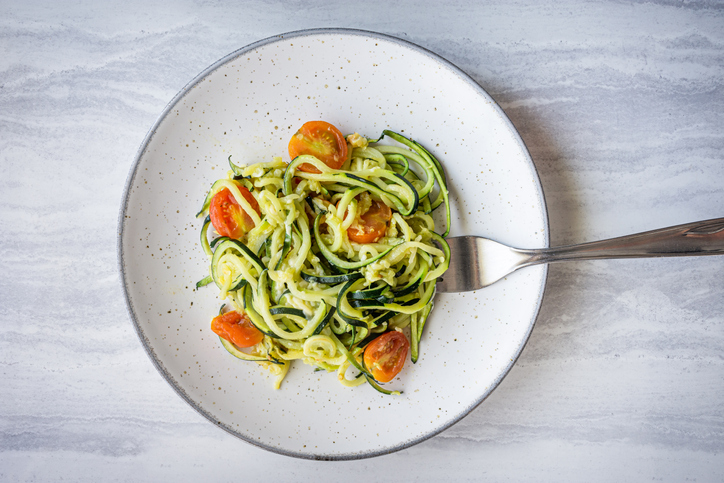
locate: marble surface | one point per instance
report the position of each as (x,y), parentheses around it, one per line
(622,107)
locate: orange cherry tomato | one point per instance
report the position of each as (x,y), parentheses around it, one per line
(321,140)
(236,328)
(385,356)
(230,219)
(372,225)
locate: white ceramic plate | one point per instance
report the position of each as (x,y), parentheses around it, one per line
(248,105)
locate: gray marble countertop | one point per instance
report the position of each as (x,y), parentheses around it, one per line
(622,107)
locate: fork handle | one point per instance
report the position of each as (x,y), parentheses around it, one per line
(691,239)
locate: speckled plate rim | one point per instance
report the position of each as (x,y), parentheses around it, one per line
(132,175)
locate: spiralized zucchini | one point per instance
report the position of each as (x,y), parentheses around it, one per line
(316,295)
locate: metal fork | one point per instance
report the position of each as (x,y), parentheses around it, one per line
(477,262)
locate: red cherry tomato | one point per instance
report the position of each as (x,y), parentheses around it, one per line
(230,219)
(372,225)
(385,356)
(321,140)
(236,328)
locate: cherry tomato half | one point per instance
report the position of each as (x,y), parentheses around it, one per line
(230,219)
(385,356)
(321,140)
(372,225)
(236,328)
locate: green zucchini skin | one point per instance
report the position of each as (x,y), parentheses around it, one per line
(353,180)
(378,304)
(204,238)
(234,351)
(216,241)
(285,249)
(222,246)
(256,319)
(215,188)
(334,259)
(325,321)
(398,159)
(371,381)
(328,279)
(287,311)
(204,281)
(413,284)
(416,336)
(433,168)
(342,297)
(349,308)
(369,293)
(238,171)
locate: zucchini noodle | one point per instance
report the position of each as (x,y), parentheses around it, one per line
(315,294)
